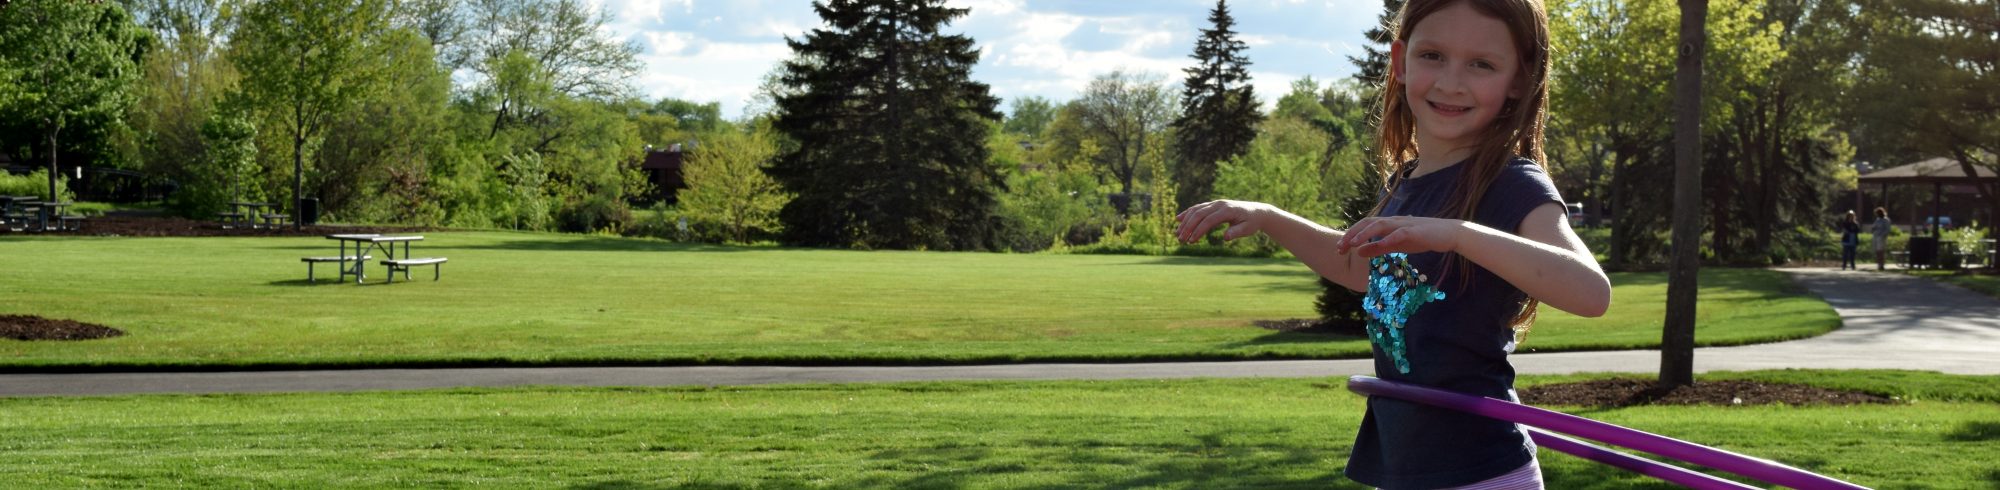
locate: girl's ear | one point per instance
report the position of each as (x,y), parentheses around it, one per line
(1396,67)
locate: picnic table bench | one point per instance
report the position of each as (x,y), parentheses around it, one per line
(365,244)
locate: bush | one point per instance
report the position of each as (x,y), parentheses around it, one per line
(36,184)
(594,213)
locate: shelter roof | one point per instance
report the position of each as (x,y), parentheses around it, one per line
(1933,171)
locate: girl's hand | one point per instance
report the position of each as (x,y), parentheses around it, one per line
(1244,219)
(1404,234)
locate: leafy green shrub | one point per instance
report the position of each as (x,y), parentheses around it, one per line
(594,213)
(36,184)
(1971,240)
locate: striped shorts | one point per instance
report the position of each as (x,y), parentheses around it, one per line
(1527,477)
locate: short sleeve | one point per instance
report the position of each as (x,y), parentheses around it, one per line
(1518,190)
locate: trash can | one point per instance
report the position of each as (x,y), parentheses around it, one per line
(308,211)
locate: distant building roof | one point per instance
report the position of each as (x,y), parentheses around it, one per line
(668,159)
(1936,170)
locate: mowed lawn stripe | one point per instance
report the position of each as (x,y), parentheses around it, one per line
(528,298)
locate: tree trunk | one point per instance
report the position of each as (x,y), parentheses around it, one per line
(53,171)
(298,176)
(1677,339)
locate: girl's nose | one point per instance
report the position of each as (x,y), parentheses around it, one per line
(1451,80)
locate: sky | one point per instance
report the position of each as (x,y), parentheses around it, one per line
(719,50)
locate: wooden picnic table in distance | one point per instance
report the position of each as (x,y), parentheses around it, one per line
(365,243)
(245,213)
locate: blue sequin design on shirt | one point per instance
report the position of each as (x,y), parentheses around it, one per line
(1395,290)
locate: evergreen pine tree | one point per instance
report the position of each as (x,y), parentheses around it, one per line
(1339,308)
(1374,67)
(890,131)
(1219,109)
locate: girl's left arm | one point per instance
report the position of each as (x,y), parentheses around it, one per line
(1545,259)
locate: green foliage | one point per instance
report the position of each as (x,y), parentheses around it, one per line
(1046,206)
(1971,240)
(891,132)
(574,52)
(524,203)
(1124,112)
(1153,228)
(305,62)
(182,81)
(728,190)
(229,138)
(1924,85)
(1219,112)
(35,183)
(693,116)
(375,163)
(1302,102)
(68,70)
(1280,170)
(1030,115)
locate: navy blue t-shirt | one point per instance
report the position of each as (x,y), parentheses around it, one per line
(1459,344)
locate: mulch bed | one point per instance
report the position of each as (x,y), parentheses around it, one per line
(24,327)
(1612,393)
(1311,326)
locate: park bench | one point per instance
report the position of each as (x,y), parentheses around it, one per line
(343,260)
(229,220)
(436,263)
(69,222)
(273,220)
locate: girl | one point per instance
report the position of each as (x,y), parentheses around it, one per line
(1461,134)
(1881,232)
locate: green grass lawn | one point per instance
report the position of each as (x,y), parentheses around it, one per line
(523,299)
(1986,284)
(1241,433)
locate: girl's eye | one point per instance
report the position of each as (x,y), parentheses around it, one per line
(1482,65)
(1430,55)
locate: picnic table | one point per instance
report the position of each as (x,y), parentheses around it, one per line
(44,211)
(13,211)
(242,213)
(368,243)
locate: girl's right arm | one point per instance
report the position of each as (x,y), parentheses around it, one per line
(1309,241)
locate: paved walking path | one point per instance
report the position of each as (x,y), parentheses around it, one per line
(1892,321)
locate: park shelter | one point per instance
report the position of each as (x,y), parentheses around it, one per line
(1943,176)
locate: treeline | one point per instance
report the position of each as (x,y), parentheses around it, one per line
(521,114)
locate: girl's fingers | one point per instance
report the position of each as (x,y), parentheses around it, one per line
(1208,222)
(1239,230)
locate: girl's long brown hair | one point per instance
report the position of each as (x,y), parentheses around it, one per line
(1517,132)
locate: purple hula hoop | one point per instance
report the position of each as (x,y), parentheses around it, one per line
(1760,469)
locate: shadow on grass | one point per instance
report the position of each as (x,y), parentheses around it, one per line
(1596,476)
(632,485)
(603,244)
(1976,432)
(1199,461)
(1286,338)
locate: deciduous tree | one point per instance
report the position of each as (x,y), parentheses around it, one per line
(306,61)
(65,65)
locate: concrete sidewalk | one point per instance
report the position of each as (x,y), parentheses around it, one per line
(1892,321)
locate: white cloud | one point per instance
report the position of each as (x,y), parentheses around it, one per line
(719,51)
(668,42)
(712,72)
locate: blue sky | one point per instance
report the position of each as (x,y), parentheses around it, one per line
(717,50)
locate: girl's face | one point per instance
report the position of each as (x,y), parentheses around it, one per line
(1458,67)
